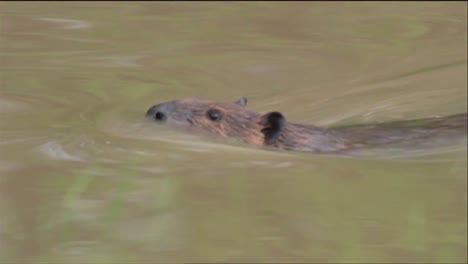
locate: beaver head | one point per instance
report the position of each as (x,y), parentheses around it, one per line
(231,120)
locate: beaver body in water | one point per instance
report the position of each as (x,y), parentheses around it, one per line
(234,120)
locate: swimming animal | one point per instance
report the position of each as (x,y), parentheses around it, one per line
(235,120)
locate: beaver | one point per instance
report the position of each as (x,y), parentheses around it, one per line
(235,120)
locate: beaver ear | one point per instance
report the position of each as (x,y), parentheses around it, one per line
(273,123)
(241,101)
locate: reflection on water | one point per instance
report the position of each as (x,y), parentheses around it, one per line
(84,177)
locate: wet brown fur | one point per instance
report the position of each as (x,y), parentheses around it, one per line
(271,129)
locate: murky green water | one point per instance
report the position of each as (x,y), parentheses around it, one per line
(85,178)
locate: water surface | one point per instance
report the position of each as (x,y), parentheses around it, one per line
(84,177)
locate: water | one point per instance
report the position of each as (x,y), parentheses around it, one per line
(84,177)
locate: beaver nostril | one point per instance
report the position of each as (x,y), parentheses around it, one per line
(160,116)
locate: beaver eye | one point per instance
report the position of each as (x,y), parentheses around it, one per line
(214,115)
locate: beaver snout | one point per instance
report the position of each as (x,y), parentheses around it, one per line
(160,112)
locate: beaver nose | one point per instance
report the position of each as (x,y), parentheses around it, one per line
(157,113)
(160,111)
